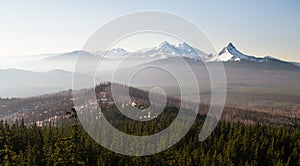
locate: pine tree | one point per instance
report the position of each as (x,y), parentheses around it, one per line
(31,155)
(7,154)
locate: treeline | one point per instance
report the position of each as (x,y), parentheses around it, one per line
(45,107)
(229,144)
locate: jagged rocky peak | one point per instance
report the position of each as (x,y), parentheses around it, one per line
(166,45)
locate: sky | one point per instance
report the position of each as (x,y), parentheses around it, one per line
(260,28)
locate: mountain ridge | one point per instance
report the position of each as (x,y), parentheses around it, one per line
(167,50)
(67,61)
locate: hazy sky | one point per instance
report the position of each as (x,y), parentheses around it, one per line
(256,27)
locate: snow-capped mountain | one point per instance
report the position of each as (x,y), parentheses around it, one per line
(164,50)
(231,53)
(117,51)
